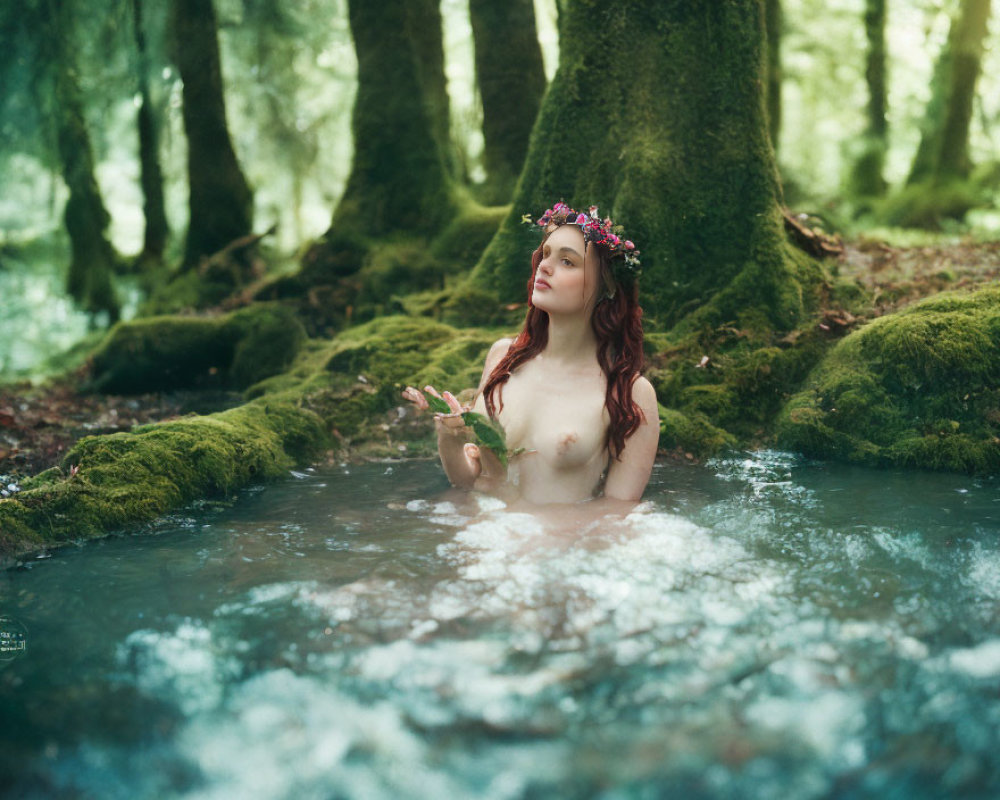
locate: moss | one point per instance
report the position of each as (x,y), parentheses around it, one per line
(929,205)
(703,209)
(155,353)
(693,433)
(916,388)
(124,478)
(466,236)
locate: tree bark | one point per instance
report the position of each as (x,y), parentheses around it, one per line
(511,79)
(656,113)
(221,203)
(150,175)
(399,180)
(866,177)
(943,152)
(93,258)
(773,23)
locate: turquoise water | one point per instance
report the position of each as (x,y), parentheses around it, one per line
(763,626)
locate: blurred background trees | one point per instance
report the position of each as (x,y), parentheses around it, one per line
(882,113)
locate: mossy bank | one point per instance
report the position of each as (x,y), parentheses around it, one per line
(919,388)
(341,394)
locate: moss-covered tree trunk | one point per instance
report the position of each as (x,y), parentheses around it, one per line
(93,258)
(399,180)
(150,174)
(511,79)
(943,152)
(773,23)
(657,113)
(221,203)
(866,175)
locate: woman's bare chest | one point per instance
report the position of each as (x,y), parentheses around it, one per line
(559,418)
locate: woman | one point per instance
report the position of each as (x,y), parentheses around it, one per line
(567,390)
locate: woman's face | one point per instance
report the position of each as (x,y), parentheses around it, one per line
(566,281)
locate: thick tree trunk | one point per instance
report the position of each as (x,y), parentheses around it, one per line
(773,22)
(657,114)
(221,203)
(943,153)
(866,177)
(150,174)
(511,79)
(93,258)
(399,180)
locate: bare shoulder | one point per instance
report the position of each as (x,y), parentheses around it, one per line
(497,351)
(643,392)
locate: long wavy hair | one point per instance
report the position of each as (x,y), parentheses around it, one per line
(617,323)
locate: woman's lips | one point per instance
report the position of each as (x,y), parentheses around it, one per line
(542,284)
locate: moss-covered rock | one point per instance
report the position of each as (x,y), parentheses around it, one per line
(237,349)
(918,388)
(106,482)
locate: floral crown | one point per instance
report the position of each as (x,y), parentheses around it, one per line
(598,231)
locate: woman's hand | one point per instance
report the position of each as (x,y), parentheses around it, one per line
(465,463)
(452,423)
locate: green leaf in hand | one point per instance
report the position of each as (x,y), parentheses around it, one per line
(489,433)
(437,405)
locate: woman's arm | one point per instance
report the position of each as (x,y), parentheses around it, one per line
(462,461)
(628,476)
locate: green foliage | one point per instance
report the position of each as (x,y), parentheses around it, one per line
(238,349)
(916,388)
(929,205)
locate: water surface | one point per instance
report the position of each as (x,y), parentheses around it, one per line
(762,627)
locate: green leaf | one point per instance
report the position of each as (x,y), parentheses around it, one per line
(437,405)
(489,434)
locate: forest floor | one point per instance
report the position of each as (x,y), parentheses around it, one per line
(38,424)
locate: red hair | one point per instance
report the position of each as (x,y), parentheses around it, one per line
(617,323)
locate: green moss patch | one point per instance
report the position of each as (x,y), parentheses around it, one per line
(918,388)
(106,482)
(158,353)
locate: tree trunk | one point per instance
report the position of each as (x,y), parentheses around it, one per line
(657,114)
(93,258)
(221,203)
(773,22)
(399,181)
(511,79)
(866,177)
(150,174)
(943,153)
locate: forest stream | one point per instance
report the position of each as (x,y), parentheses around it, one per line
(761,626)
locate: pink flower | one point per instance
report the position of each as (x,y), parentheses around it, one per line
(629,245)
(614,239)
(581,219)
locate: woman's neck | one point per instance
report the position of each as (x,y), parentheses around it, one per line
(571,339)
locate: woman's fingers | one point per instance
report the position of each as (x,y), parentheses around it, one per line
(453,404)
(416,397)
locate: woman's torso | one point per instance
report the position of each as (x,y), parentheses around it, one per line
(557,414)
